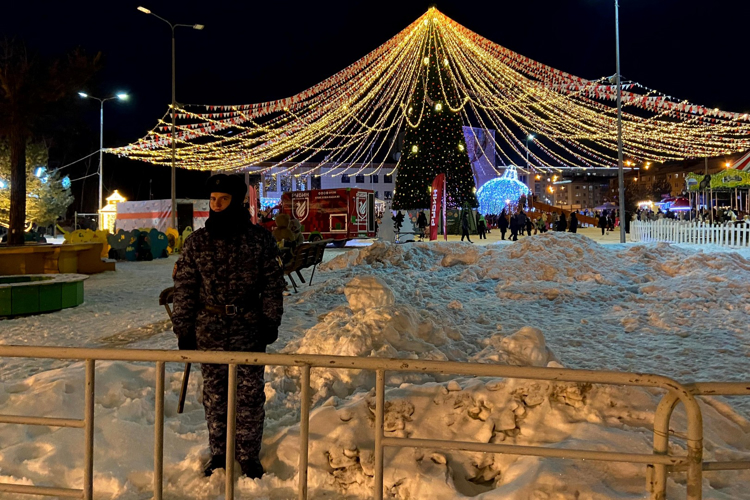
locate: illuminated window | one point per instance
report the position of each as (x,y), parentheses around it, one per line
(286,183)
(269,183)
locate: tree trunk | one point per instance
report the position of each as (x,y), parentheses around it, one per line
(17,189)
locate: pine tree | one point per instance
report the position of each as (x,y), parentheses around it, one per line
(32,90)
(48,194)
(434,141)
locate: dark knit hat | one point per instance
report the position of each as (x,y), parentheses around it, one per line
(228,183)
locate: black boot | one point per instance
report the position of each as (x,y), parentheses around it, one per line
(215,462)
(251,468)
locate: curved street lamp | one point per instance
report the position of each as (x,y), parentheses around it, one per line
(122,96)
(174,104)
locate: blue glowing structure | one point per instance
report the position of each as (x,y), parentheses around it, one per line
(269,202)
(501,193)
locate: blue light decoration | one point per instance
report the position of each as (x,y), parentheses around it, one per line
(66,182)
(269,202)
(501,193)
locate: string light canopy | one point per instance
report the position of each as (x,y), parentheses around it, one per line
(351,121)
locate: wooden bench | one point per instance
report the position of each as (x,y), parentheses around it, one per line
(308,254)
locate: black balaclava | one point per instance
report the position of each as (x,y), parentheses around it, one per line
(235,217)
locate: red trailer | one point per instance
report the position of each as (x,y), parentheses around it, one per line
(338,214)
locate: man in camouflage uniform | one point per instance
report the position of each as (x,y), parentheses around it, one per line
(229,297)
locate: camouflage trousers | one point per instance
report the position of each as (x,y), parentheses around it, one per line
(250,413)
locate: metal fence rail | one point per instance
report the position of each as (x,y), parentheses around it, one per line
(657,474)
(659,460)
(672,231)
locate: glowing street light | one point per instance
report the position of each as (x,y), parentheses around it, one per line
(173,109)
(122,96)
(529,137)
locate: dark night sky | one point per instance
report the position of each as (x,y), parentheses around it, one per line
(256,51)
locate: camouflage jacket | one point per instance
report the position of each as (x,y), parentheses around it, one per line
(242,270)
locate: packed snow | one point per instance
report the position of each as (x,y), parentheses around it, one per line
(547,300)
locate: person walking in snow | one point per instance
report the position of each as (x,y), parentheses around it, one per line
(465,225)
(603,222)
(482,227)
(502,223)
(573,223)
(514,227)
(541,223)
(421,224)
(529,224)
(521,218)
(228,296)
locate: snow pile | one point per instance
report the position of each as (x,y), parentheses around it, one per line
(526,347)
(542,301)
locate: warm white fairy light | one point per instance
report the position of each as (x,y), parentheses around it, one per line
(353,118)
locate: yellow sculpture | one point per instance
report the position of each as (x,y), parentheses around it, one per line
(87,236)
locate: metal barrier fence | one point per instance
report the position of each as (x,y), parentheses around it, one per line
(672,231)
(656,481)
(659,460)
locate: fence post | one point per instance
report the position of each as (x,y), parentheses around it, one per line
(379,420)
(231,431)
(159,431)
(88,425)
(304,431)
(658,482)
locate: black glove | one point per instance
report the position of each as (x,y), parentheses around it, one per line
(187,343)
(270,334)
(268,331)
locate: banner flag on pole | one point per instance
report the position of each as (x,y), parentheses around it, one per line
(445,205)
(252,201)
(435,205)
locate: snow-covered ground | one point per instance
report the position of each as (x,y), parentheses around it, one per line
(556,298)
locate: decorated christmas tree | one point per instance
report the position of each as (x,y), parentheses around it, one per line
(434,142)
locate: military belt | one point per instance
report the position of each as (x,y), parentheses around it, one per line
(229,310)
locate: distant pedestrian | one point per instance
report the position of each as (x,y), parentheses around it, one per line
(465,225)
(502,223)
(573,223)
(422,224)
(541,223)
(603,222)
(482,227)
(521,218)
(562,224)
(514,227)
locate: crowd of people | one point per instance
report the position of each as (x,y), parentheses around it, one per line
(519,222)
(717,216)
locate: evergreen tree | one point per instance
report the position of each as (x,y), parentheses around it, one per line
(48,194)
(434,141)
(32,90)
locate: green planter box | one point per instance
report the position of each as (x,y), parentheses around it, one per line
(32,294)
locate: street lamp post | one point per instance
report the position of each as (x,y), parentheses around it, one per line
(620,174)
(121,96)
(529,137)
(173,108)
